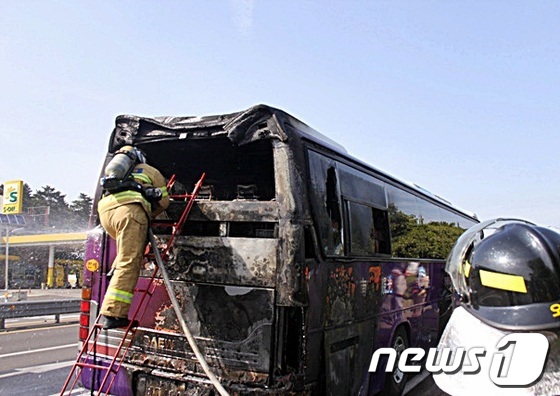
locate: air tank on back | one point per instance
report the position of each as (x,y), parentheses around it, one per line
(119,167)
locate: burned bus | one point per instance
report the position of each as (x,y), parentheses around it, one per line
(296,263)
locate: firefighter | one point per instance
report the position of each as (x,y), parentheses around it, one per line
(506,278)
(125,212)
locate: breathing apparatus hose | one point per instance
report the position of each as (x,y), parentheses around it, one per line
(179,314)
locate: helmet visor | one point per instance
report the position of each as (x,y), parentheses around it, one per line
(457,256)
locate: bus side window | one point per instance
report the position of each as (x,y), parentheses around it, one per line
(335,245)
(324,192)
(309,243)
(368,229)
(381,231)
(432,228)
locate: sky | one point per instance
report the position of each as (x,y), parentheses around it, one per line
(461,98)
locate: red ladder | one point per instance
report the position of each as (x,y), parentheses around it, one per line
(88,351)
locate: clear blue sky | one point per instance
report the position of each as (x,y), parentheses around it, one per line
(461,98)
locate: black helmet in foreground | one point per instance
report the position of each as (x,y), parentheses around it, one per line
(507,274)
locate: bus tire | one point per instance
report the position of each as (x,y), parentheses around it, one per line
(396,380)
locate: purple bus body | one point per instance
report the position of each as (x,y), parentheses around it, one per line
(402,296)
(104,252)
(273,307)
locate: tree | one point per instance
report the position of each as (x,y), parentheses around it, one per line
(27,194)
(58,208)
(411,237)
(81,209)
(432,240)
(47,210)
(401,223)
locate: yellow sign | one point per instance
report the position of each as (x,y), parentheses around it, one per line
(92,265)
(12,200)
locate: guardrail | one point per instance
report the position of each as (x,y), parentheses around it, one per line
(24,309)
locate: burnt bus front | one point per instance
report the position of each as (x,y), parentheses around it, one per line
(236,267)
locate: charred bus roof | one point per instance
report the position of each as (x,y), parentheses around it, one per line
(260,122)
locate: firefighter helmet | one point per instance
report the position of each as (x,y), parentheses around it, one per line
(133,153)
(507,273)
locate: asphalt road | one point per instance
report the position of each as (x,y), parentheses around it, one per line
(423,385)
(36,355)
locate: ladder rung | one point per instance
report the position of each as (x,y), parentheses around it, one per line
(143,291)
(181,196)
(96,366)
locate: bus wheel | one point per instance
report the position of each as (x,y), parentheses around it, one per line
(396,380)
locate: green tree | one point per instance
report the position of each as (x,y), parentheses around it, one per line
(80,211)
(58,209)
(27,194)
(433,240)
(47,210)
(401,223)
(413,238)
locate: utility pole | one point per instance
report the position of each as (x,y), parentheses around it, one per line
(7,253)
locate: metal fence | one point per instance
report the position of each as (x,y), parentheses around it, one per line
(24,309)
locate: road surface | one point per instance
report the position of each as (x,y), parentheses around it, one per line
(36,355)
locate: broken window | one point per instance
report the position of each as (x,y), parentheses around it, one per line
(233,172)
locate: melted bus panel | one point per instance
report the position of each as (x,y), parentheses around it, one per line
(296,263)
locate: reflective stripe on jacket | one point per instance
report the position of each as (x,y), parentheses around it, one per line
(119,295)
(121,198)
